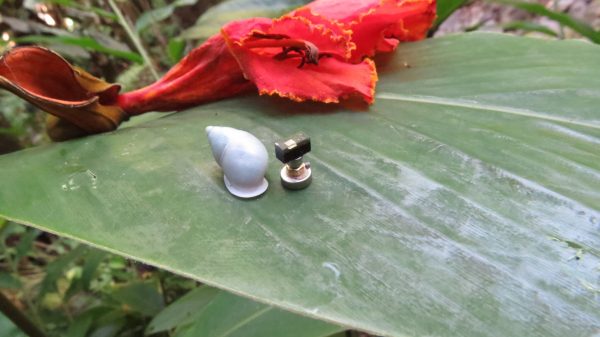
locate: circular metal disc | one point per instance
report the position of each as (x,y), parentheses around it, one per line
(295,183)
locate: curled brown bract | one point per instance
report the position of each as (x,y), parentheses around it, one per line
(81,103)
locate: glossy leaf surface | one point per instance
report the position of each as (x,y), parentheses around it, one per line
(464,202)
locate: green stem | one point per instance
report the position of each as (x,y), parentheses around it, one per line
(19,318)
(561,28)
(3,304)
(34,310)
(134,38)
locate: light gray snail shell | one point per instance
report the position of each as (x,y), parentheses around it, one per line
(242,157)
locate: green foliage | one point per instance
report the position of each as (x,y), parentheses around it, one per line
(88,292)
(9,281)
(132,77)
(20,126)
(85,42)
(208,312)
(141,297)
(84,7)
(452,183)
(562,18)
(159,14)
(82,291)
(7,328)
(56,269)
(80,326)
(445,8)
(182,312)
(213,19)
(227,315)
(175,50)
(529,27)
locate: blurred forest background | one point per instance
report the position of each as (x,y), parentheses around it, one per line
(67,289)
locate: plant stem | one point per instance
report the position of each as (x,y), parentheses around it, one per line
(561,29)
(134,38)
(19,318)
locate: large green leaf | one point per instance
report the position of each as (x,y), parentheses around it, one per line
(208,312)
(183,311)
(464,202)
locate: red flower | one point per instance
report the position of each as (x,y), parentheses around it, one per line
(318,52)
(291,57)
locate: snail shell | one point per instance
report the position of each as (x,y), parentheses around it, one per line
(243,159)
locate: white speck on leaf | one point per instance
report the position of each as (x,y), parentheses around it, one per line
(333,267)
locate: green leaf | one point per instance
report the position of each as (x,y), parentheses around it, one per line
(183,311)
(81,41)
(445,8)
(228,315)
(529,27)
(175,50)
(214,18)
(158,14)
(7,229)
(130,78)
(93,258)
(85,7)
(142,297)
(564,19)
(9,281)
(25,244)
(8,328)
(434,210)
(110,329)
(80,326)
(56,268)
(207,312)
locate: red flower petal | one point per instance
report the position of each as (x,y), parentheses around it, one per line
(333,78)
(376,25)
(343,11)
(83,103)
(208,73)
(44,74)
(329,40)
(327,82)
(335,26)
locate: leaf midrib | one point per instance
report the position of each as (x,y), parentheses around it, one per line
(245,321)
